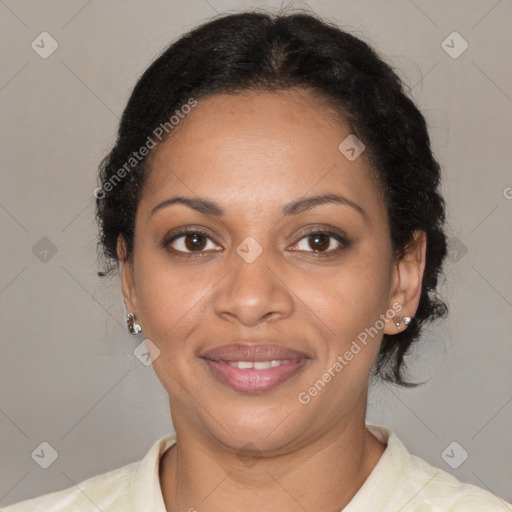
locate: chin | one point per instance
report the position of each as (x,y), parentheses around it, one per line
(264,425)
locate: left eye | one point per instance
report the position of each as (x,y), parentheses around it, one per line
(320,242)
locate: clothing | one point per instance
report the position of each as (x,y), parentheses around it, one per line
(399,482)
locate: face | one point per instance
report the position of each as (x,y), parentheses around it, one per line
(251,291)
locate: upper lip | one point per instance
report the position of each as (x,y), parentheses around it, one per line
(252,352)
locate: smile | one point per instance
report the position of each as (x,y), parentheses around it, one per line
(253,368)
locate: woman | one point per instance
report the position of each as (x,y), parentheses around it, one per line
(273,205)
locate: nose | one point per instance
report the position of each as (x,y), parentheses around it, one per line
(253,292)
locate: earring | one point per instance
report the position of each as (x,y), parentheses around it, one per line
(133,327)
(406,320)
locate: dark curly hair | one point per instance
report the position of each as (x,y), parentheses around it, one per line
(264,51)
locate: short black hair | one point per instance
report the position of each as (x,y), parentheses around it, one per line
(263,51)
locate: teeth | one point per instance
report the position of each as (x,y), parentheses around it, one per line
(243,365)
(262,365)
(257,365)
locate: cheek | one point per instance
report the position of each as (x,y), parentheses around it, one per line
(350,297)
(351,303)
(170,299)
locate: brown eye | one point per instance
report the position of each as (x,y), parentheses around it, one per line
(321,242)
(195,241)
(190,241)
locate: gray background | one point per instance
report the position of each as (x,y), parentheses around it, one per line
(68,375)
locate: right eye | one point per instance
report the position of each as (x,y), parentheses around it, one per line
(189,241)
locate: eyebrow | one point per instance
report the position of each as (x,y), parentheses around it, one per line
(299,205)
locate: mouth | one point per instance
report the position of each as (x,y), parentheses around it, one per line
(254,368)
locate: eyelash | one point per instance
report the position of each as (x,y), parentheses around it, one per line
(339,238)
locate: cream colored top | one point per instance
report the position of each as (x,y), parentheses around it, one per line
(400,482)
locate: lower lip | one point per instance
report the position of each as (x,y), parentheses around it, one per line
(251,380)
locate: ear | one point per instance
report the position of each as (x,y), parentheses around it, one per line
(127,278)
(407,281)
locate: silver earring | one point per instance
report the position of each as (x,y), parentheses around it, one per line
(406,320)
(133,327)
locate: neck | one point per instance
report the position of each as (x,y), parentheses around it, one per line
(198,473)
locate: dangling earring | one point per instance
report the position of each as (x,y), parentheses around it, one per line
(133,327)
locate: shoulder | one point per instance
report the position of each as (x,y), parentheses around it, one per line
(438,490)
(413,485)
(107,492)
(135,485)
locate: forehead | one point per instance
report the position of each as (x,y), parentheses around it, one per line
(258,147)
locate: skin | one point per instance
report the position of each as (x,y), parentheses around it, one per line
(252,154)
